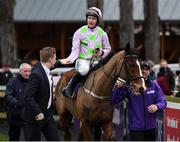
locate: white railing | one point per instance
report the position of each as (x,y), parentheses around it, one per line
(56,75)
(57,71)
(174,67)
(2,87)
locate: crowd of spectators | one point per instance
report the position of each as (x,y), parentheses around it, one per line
(168,80)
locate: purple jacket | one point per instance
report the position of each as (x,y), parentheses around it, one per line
(138,115)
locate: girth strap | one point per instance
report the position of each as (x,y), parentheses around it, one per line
(94,95)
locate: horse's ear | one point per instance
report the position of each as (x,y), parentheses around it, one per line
(128,49)
(139,47)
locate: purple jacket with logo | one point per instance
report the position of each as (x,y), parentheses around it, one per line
(138,115)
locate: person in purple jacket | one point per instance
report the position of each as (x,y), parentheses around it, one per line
(142,109)
(87,41)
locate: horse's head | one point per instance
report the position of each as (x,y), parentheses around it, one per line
(129,71)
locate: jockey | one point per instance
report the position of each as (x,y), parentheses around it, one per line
(88,40)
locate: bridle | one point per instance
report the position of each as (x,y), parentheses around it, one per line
(114,76)
(129,78)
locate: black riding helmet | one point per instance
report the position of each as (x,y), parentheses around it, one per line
(145,64)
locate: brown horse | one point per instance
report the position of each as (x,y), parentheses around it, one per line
(92,104)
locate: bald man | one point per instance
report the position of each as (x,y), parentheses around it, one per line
(14,101)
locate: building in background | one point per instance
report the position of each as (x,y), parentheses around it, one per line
(40,23)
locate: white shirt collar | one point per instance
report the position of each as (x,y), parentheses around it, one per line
(47,70)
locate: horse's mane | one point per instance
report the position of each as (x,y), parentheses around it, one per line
(103,61)
(128,51)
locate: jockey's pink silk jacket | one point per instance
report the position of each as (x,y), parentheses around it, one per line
(85,40)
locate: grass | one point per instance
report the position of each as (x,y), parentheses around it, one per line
(173,99)
(4,137)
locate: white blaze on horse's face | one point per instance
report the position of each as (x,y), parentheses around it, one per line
(144,85)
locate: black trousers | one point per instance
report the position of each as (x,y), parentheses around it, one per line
(47,126)
(143,135)
(14,132)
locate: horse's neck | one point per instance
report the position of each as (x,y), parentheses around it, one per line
(110,67)
(100,81)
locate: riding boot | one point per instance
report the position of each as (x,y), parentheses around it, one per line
(68,90)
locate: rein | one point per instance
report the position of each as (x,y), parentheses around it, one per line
(90,92)
(115,77)
(93,59)
(129,78)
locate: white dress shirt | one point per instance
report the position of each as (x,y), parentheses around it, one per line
(49,75)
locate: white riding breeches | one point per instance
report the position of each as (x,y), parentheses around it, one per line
(82,66)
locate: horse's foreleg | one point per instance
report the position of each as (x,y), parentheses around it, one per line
(65,123)
(80,138)
(86,130)
(107,128)
(97,133)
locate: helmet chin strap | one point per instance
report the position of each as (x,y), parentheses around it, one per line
(92,27)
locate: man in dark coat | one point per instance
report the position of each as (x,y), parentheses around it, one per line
(39,99)
(14,101)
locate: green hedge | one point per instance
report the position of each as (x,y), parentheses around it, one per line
(4,137)
(173,99)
